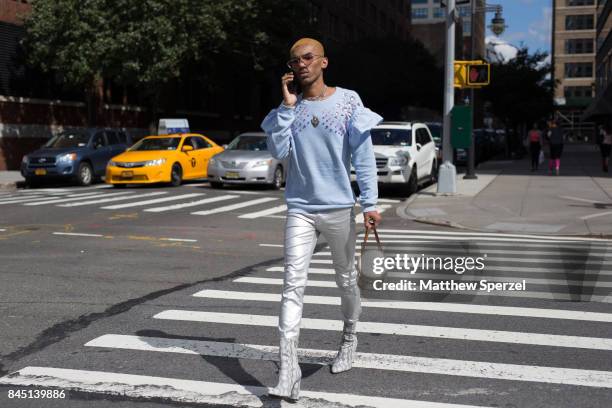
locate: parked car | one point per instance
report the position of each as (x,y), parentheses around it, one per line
(246,160)
(163,159)
(405,154)
(74,155)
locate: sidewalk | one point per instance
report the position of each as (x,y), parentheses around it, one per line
(507,197)
(10,179)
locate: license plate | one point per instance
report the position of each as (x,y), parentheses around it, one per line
(40,172)
(232,174)
(127,174)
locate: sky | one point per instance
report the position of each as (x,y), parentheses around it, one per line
(529,23)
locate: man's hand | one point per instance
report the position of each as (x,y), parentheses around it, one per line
(371,219)
(289,98)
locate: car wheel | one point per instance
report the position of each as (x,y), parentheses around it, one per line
(216,184)
(176,175)
(413,182)
(277,181)
(85,174)
(433,175)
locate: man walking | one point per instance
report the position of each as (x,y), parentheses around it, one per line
(322,131)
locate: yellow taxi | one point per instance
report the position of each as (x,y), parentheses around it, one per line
(163,159)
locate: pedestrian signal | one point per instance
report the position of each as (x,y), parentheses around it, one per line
(478,74)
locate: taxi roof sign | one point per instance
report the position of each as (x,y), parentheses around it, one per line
(170,126)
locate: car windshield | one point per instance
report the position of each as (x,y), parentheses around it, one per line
(253,143)
(68,139)
(391,137)
(157,143)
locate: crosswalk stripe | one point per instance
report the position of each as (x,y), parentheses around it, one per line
(263,213)
(154,201)
(498,336)
(375,361)
(191,203)
(36,198)
(235,206)
(189,391)
(490,234)
(464,277)
(517,294)
(527,312)
(471,239)
(78,234)
(532,248)
(107,200)
(74,198)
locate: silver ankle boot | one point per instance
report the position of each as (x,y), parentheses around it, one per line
(289,375)
(344,358)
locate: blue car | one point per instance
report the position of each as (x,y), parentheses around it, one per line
(76,155)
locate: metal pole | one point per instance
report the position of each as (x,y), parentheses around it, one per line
(448,173)
(470,173)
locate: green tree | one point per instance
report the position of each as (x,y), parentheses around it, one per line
(521,91)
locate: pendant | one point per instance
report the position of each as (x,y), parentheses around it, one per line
(314,121)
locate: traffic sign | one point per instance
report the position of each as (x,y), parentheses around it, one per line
(478,74)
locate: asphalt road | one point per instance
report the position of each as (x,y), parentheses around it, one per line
(145,304)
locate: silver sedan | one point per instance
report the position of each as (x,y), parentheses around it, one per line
(246,160)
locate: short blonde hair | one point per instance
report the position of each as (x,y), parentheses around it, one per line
(307,41)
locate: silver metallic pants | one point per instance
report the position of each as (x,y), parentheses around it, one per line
(301,233)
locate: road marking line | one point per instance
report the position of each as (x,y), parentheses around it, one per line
(464,277)
(474,239)
(106,200)
(263,213)
(438,332)
(388,200)
(603,251)
(33,198)
(489,234)
(191,203)
(235,206)
(77,234)
(561,314)
(156,200)
(2,229)
(189,391)
(584,200)
(381,209)
(178,239)
(588,217)
(272,245)
(387,362)
(74,198)
(517,294)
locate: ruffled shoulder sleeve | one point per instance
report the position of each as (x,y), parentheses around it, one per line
(362,119)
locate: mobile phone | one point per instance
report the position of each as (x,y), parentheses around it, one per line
(294,87)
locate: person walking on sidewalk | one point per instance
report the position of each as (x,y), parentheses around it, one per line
(535,146)
(322,131)
(605,147)
(555,140)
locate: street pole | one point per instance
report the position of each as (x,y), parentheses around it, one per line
(470,173)
(448,174)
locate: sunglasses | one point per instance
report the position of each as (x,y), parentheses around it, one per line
(294,63)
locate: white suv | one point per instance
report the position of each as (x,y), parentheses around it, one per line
(405,153)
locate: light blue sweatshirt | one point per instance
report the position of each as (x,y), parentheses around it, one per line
(322,138)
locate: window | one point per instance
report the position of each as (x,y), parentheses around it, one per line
(419,1)
(578,92)
(99,141)
(422,137)
(579,46)
(438,12)
(572,3)
(578,70)
(579,22)
(112,137)
(420,13)
(465,11)
(199,143)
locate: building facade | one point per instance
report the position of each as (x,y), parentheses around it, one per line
(573,60)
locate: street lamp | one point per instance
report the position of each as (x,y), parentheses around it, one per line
(498,25)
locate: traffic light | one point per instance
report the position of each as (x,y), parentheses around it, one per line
(478,74)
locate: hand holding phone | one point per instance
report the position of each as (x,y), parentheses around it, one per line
(289,89)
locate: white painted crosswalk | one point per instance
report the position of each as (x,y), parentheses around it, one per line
(246,305)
